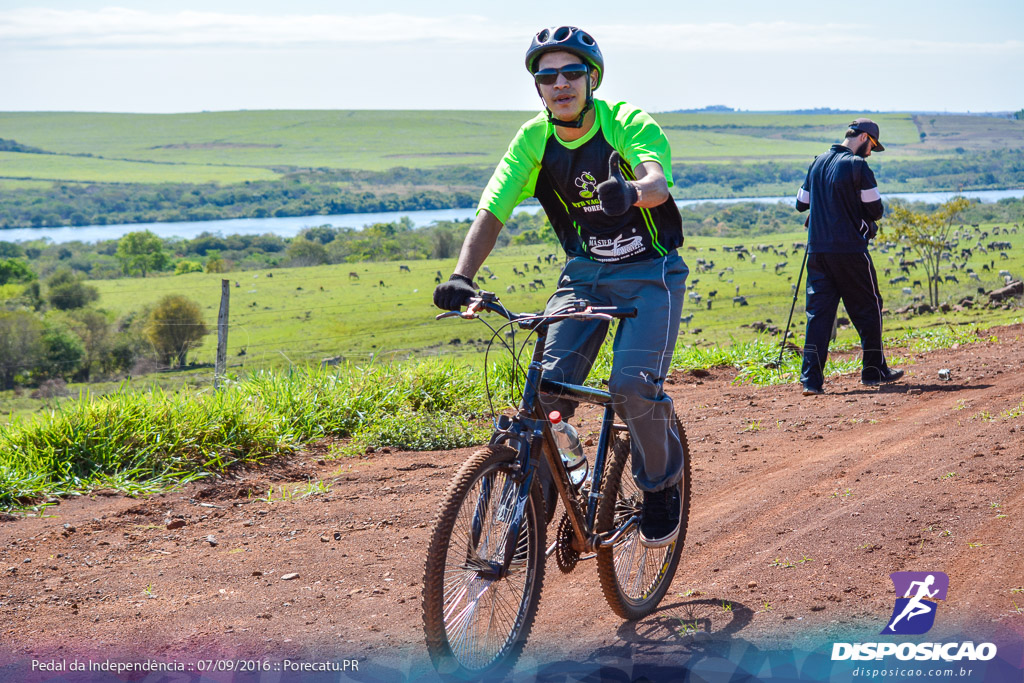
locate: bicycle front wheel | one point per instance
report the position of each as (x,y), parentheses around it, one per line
(634,578)
(476,621)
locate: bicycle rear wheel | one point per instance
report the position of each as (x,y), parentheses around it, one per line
(476,624)
(634,578)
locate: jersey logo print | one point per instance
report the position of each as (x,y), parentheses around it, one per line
(616,248)
(587,184)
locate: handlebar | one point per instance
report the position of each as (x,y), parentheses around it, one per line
(580,309)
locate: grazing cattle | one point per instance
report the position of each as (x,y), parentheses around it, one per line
(974,276)
(952,278)
(533,286)
(517,272)
(908,290)
(381,284)
(437,280)
(888,272)
(741,300)
(510,289)
(695,282)
(403,269)
(536,269)
(539,283)
(713,292)
(709,304)
(1003,255)
(1004,273)
(981,290)
(236,284)
(270,275)
(355,276)
(984,266)
(896,280)
(917,283)
(686,319)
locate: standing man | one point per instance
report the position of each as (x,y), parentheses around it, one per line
(601,172)
(841,192)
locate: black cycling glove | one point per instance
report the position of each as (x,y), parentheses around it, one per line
(452,295)
(617,194)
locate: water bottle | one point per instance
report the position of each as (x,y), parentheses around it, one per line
(569,448)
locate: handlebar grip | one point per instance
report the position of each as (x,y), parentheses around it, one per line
(616,311)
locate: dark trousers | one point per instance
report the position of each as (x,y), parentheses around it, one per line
(850,277)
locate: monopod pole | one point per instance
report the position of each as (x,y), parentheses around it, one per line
(796,293)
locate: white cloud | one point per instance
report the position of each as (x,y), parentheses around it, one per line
(120,28)
(112,28)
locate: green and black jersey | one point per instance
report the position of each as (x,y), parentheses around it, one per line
(563,176)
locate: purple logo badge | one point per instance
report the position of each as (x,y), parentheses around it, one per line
(915,609)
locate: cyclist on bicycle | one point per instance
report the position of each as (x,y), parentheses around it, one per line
(601,172)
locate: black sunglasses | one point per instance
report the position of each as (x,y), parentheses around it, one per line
(571,72)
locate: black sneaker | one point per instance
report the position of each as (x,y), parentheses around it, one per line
(811,391)
(659,518)
(889,376)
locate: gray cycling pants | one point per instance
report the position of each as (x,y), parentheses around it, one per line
(643,349)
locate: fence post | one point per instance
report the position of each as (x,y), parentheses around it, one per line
(222,334)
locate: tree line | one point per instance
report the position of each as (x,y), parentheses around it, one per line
(339,191)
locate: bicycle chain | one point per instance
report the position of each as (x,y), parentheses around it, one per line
(565,556)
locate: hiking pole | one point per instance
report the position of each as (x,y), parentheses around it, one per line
(796,292)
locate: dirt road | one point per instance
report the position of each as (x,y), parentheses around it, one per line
(802,507)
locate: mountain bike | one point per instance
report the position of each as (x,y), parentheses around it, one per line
(485,561)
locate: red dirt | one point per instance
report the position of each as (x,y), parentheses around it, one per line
(846,487)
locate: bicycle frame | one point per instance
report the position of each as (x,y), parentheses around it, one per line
(529,430)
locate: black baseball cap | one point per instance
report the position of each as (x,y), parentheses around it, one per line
(871,128)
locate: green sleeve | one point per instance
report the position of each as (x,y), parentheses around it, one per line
(636,135)
(515,177)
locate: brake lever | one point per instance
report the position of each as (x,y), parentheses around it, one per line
(469,314)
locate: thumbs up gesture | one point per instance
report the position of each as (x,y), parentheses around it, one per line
(616,194)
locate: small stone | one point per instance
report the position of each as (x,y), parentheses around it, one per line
(175,523)
(914,392)
(289,577)
(337,535)
(751,584)
(356,591)
(211,540)
(324,539)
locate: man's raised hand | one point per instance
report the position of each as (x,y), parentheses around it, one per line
(616,194)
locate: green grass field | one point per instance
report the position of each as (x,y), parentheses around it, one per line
(302,315)
(230,147)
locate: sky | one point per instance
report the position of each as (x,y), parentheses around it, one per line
(187,55)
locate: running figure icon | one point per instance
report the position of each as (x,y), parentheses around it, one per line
(919,592)
(915,607)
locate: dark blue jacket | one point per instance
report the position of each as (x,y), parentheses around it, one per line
(841,192)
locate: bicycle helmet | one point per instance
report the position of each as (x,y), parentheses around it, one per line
(566,39)
(574,41)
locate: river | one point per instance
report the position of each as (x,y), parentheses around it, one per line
(293,225)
